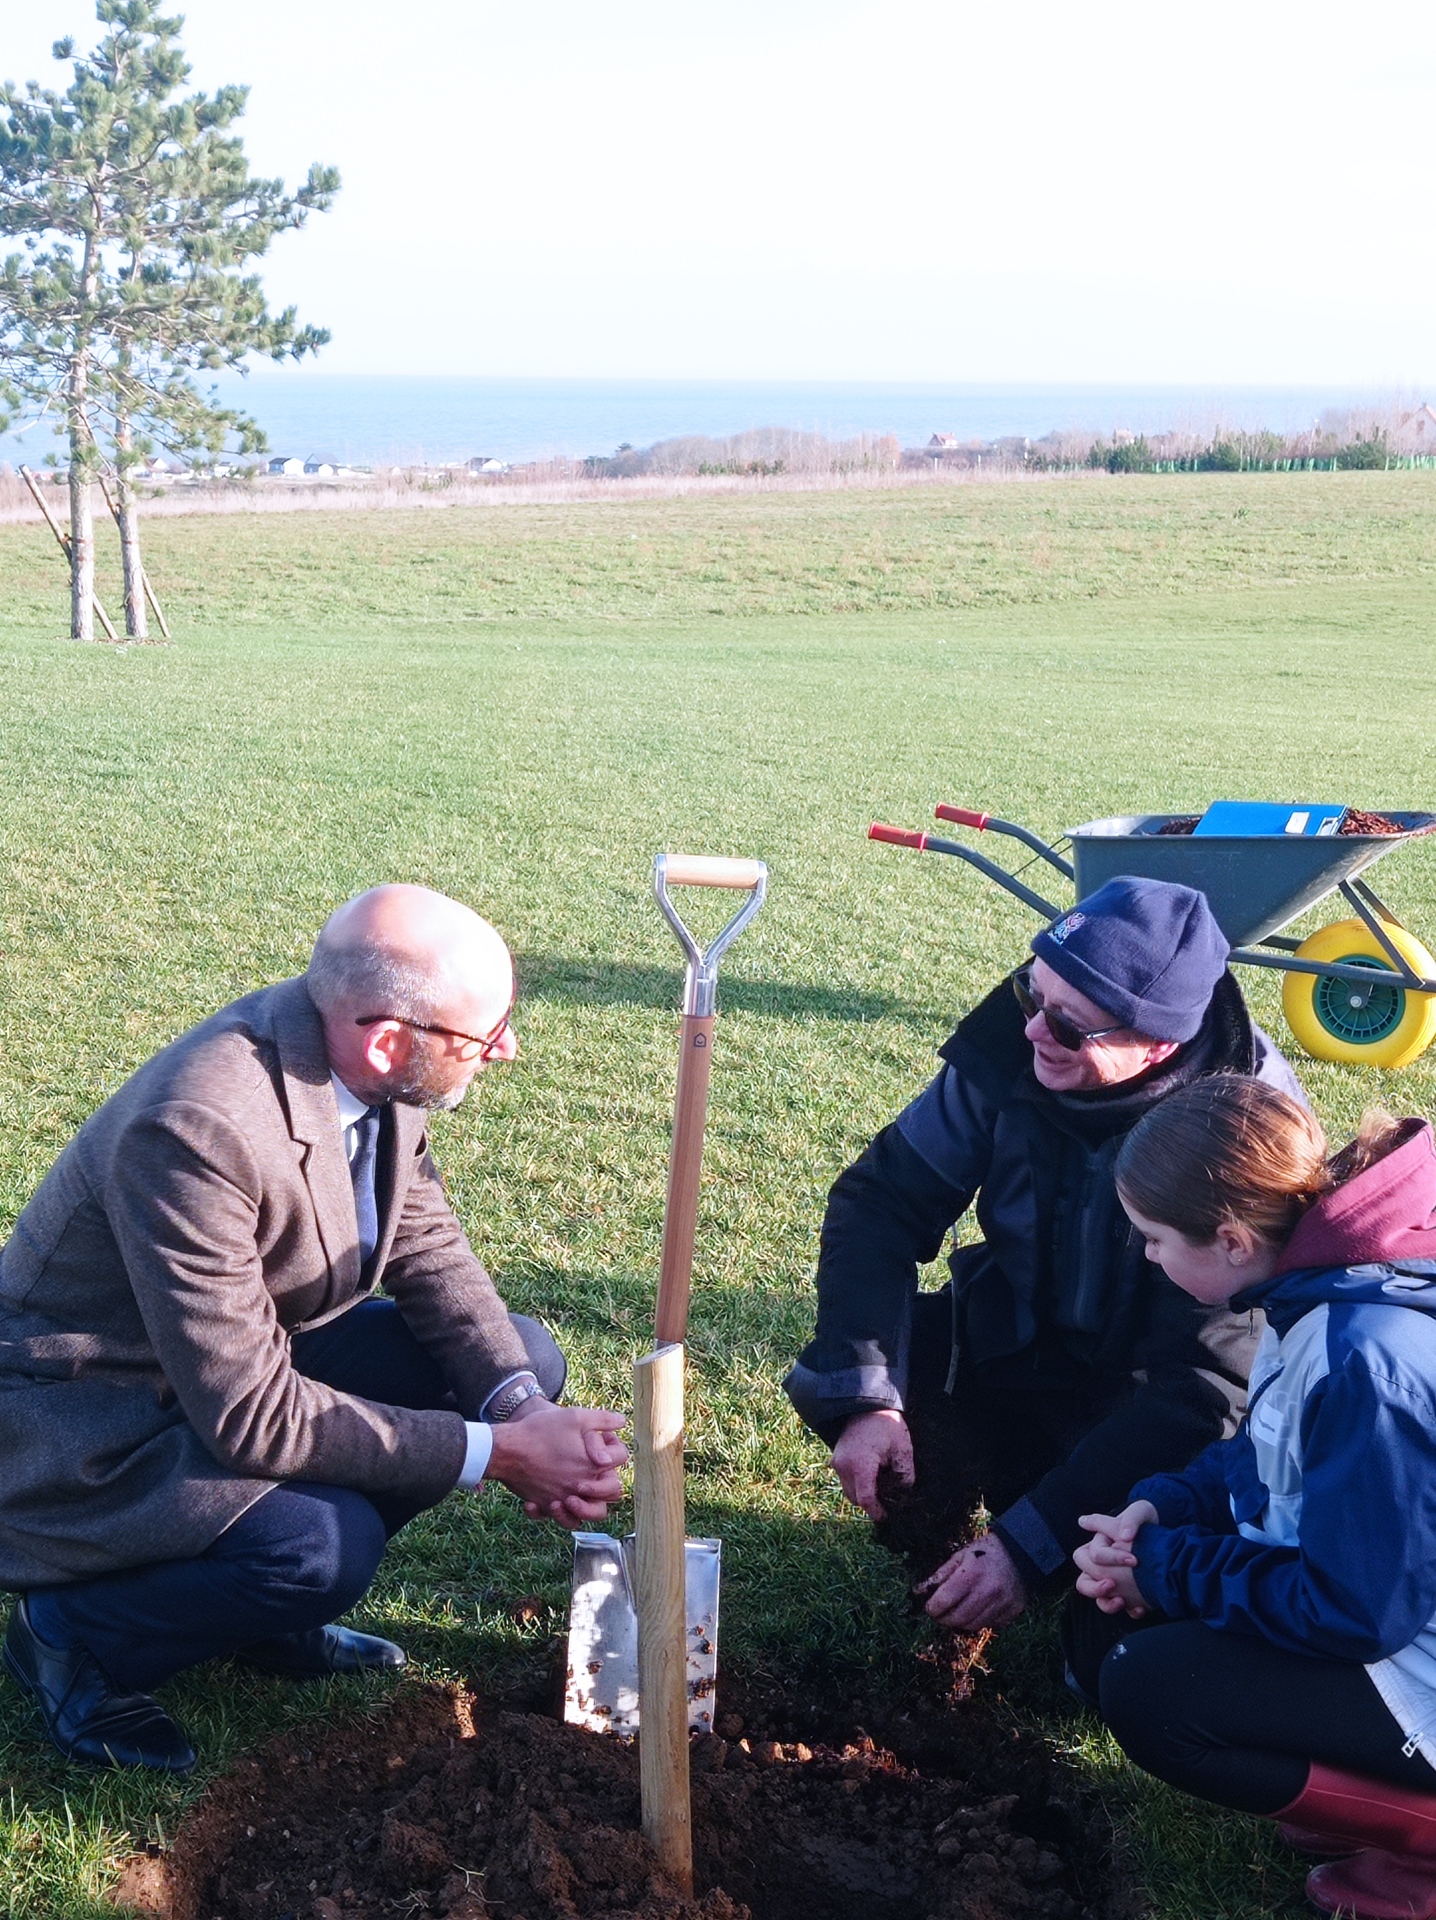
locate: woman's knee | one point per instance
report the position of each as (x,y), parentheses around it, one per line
(1121,1687)
(1150,1690)
(1088,1636)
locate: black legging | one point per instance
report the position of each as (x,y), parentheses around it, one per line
(1238,1721)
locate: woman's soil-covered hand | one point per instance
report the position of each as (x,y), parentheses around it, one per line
(870,1444)
(978,1587)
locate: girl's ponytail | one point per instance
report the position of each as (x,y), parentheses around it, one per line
(1378,1133)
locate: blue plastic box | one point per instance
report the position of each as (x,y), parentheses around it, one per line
(1253,819)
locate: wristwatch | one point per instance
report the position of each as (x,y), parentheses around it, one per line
(506,1403)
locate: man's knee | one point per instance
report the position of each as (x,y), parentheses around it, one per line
(312,1540)
(545,1357)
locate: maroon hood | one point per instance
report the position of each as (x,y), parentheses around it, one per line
(1385,1213)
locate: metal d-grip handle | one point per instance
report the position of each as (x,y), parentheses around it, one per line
(695,1056)
(700,986)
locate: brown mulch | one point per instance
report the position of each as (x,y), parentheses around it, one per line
(443,1806)
(1367,823)
(1354,821)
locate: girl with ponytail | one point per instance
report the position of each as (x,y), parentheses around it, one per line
(1279,1649)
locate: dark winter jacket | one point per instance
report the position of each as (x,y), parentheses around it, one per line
(1315,1527)
(1058,1294)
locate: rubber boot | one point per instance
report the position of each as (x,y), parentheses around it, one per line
(1320,1846)
(1393,1876)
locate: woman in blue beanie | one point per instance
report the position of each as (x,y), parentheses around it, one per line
(1058,1361)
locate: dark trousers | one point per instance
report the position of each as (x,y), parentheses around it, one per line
(300,1556)
(1231,1718)
(981,1444)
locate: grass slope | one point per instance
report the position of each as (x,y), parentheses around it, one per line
(900,551)
(175,823)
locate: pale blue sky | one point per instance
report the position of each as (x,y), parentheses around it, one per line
(1232,191)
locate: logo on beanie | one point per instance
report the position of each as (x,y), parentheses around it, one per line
(1069,923)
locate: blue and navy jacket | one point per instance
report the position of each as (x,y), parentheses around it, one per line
(1315,1526)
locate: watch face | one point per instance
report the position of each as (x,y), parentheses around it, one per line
(514,1397)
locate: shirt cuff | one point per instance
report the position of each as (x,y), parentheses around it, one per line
(1022,1527)
(476,1457)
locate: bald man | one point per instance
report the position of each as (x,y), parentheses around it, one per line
(243,1339)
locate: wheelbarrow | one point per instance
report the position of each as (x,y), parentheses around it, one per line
(1360,990)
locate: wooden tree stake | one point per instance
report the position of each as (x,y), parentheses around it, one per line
(144,575)
(661,1597)
(64,539)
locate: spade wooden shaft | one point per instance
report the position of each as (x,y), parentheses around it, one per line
(661,1599)
(680,1215)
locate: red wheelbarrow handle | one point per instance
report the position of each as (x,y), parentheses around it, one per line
(897,836)
(930,843)
(963,816)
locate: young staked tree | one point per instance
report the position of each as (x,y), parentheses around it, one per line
(139,220)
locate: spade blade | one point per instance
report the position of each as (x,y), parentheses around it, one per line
(601,1686)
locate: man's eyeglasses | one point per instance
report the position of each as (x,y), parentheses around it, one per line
(1064,1031)
(488,1044)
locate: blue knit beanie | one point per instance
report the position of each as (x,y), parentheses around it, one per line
(1148,952)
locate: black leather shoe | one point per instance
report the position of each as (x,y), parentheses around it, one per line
(323,1650)
(85,1714)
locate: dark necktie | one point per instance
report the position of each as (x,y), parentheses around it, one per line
(361,1172)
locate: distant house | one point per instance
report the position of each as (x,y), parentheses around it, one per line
(320,469)
(944,450)
(286,464)
(160,466)
(1416,432)
(484,463)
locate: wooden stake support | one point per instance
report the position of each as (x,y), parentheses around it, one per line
(660,1576)
(144,576)
(64,539)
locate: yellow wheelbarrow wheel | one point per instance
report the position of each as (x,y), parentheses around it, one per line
(1368,1026)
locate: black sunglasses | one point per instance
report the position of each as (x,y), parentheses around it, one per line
(1063,1030)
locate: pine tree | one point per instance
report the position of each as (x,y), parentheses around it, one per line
(140,221)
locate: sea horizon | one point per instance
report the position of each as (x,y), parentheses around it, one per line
(434,419)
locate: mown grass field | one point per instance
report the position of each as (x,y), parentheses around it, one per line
(520,706)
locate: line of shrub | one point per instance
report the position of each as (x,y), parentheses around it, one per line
(1255,453)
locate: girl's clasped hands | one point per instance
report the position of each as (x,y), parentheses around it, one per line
(1105,1564)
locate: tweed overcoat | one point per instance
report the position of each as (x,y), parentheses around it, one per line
(147,1295)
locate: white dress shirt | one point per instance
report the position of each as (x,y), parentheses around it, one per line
(481,1436)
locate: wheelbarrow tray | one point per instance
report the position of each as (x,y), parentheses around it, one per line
(1254,885)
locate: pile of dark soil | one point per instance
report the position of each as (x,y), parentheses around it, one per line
(442,1806)
(1354,821)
